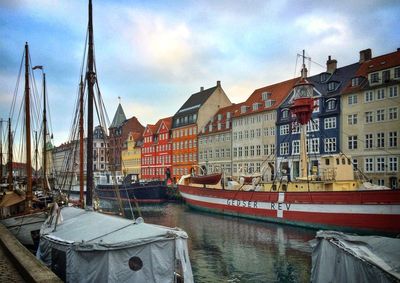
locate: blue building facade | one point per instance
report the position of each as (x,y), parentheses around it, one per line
(323,130)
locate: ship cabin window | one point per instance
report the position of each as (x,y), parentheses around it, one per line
(348,161)
(343,161)
(327,161)
(337,161)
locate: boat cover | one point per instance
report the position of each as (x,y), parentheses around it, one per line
(94,247)
(339,257)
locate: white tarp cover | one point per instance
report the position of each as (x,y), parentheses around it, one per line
(94,247)
(339,257)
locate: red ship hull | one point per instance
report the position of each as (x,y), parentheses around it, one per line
(364,211)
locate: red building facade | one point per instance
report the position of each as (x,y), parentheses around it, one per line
(156,156)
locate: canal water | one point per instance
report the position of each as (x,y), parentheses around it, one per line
(230,249)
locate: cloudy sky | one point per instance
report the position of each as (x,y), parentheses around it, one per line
(154,54)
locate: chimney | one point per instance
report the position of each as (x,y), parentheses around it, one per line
(218,83)
(365,55)
(331,65)
(201,88)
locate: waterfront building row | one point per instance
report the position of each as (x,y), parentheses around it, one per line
(356,113)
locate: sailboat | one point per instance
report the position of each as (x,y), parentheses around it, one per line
(82,245)
(17,210)
(334,200)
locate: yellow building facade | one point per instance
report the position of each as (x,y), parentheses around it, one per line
(131,154)
(370,118)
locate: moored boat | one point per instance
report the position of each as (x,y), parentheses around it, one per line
(330,198)
(133,190)
(208,179)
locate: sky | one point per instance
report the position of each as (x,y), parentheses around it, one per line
(155,54)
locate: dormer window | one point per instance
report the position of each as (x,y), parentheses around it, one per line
(265,95)
(243,109)
(269,103)
(332,86)
(355,81)
(219,126)
(228,124)
(324,77)
(219,117)
(285,113)
(255,106)
(210,127)
(228,115)
(374,78)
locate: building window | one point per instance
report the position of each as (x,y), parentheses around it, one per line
(380,94)
(313,125)
(255,106)
(369,118)
(380,115)
(284,130)
(352,99)
(380,164)
(355,164)
(380,140)
(397,73)
(258,150)
(392,113)
(284,148)
(386,76)
(369,96)
(285,114)
(393,91)
(369,141)
(392,164)
(331,104)
(355,81)
(330,144)
(332,86)
(352,119)
(392,139)
(252,150)
(352,142)
(246,134)
(369,164)
(251,133)
(313,145)
(246,151)
(296,147)
(330,123)
(374,78)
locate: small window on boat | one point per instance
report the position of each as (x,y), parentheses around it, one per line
(337,161)
(348,161)
(343,161)
(135,263)
(327,161)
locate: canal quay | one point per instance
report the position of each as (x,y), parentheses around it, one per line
(231,249)
(18,264)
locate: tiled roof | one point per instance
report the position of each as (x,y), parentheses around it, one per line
(167,121)
(195,100)
(214,121)
(119,117)
(375,64)
(278,92)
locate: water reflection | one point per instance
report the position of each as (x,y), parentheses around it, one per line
(229,249)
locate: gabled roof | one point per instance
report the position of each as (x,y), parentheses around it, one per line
(376,64)
(149,128)
(164,121)
(278,93)
(119,117)
(195,101)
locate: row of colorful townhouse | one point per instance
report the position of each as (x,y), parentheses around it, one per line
(356,114)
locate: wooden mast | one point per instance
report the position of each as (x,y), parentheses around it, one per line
(81,161)
(1,151)
(303,133)
(91,78)
(28,203)
(44,134)
(10,157)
